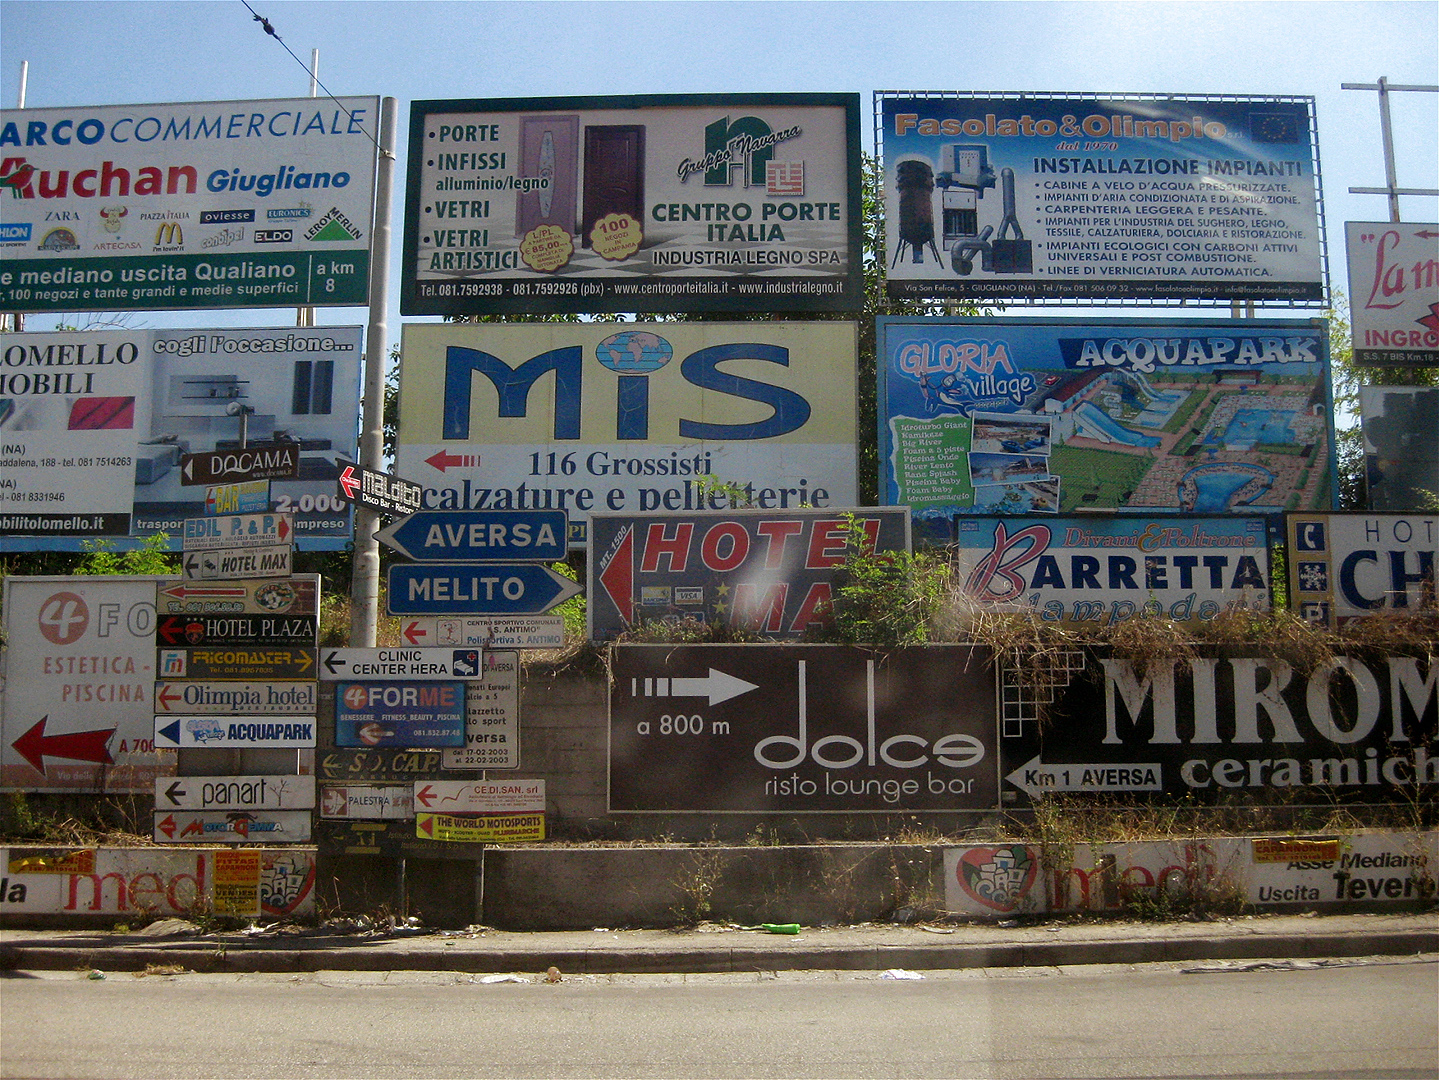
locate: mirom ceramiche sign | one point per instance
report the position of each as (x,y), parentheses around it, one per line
(629,417)
(778,729)
(225,204)
(1051,197)
(736,202)
(1051,416)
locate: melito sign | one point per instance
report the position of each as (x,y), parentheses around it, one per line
(475,589)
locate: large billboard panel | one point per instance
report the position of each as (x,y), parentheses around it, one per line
(629,417)
(1110,568)
(219,204)
(790,729)
(79,710)
(1229,726)
(1401,454)
(1082,197)
(95,427)
(1348,566)
(1394,292)
(1013,416)
(735,202)
(766,572)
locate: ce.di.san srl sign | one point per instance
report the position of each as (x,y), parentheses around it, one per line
(203,205)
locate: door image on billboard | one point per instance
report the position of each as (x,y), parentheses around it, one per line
(548,150)
(614,174)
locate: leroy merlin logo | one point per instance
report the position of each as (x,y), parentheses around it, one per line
(332,226)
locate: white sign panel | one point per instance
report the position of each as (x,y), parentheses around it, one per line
(1347,566)
(197,205)
(1393,292)
(372,802)
(94,427)
(80,675)
(236,698)
(235,732)
(480,796)
(238,531)
(232,826)
(234,793)
(344,665)
(492,717)
(246,563)
(493,632)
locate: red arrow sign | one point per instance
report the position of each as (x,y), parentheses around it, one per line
(414,633)
(424,795)
(426,826)
(443,460)
(204,592)
(165,696)
(349,482)
(167,825)
(35,746)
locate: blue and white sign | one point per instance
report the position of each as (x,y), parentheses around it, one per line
(234,732)
(476,589)
(479,535)
(408,714)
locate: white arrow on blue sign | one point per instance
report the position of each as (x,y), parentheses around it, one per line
(479,535)
(476,589)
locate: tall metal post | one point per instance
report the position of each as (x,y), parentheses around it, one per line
(365,580)
(305,316)
(1391,186)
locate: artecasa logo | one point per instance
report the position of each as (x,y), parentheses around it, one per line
(745,144)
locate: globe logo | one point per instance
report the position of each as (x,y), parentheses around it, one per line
(634,352)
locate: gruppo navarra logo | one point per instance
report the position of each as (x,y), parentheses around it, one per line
(746,144)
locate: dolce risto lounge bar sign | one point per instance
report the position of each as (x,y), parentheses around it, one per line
(202,205)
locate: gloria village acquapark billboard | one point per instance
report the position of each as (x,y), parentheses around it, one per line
(737,202)
(1075,196)
(1048,416)
(222,204)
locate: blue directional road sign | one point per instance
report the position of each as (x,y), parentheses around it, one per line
(479,535)
(476,589)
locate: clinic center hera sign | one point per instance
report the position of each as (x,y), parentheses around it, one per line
(1084,197)
(629,417)
(243,204)
(739,202)
(1048,416)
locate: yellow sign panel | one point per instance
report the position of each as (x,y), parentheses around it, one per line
(1295,850)
(54,862)
(237,882)
(481,828)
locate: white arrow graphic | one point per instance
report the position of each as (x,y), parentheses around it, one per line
(717,686)
(1036,778)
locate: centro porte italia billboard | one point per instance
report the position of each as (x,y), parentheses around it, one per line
(735,202)
(629,417)
(1048,416)
(1076,196)
(219,204)
(96,428)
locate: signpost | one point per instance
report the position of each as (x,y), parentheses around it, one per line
(372,802)
(347,664)
(195,630)
(429,714)
(238,531)
(493,632)
(481,828)
(1393,289)
(476,589)
(234,732)
(238,563)
(480,796)
(492,717)
(378,491)
(237,662)
(260,461)
(479,535)
(233,827)
(295,596)
(234,793)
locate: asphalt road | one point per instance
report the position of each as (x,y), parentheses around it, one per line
(1369,1019)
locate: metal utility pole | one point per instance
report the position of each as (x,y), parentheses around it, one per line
(1391,184)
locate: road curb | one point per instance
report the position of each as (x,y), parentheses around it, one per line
(382,956)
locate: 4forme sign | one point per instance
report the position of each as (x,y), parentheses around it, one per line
(587,417)
(153,202)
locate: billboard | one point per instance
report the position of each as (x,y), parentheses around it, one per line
(768,572)
(629,417)
(79,685)
(243,204)
(1401,454)
(1347,566)
(1076,196)
(789,729)
(1110,568)
(1219,727)
(1010,416)
(736,202)
(1394,292)
(95,428)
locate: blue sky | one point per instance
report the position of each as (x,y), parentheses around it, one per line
(85,53)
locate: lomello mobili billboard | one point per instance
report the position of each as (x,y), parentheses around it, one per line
(1046,196)
(629,417)
(201,205)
